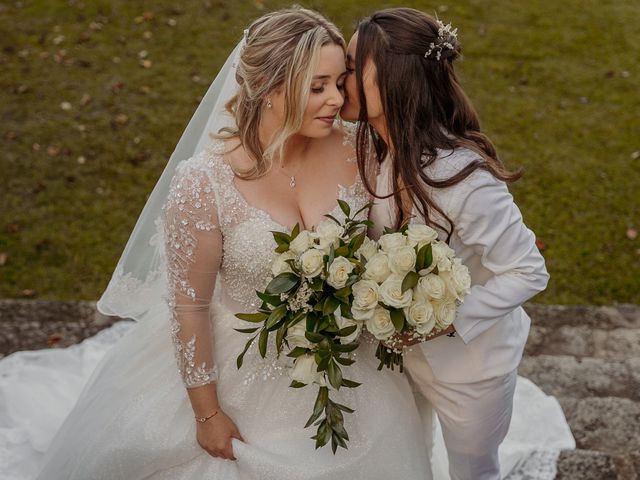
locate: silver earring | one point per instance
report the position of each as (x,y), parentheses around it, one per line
(269,105)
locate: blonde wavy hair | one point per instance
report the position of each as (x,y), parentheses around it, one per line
(281,52)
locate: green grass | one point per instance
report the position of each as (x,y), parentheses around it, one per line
(548,81)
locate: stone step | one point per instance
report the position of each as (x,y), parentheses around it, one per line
(587,465)
(584,341)
(32,325)
(566,376)
(605,317)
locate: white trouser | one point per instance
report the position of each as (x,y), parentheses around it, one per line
(474,416)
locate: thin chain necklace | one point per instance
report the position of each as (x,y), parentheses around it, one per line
(292,178)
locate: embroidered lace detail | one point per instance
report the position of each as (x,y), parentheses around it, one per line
(191,238)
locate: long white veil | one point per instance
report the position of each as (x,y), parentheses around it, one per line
(139,280)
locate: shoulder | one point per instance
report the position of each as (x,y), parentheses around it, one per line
(477,186)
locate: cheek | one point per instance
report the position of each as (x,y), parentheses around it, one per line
(374,104)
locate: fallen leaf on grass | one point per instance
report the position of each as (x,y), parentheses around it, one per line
(28,293)
(66,106)
(10,135)
(121,119)
(53,151)
(116,87)
(146,63)
(632,233)
(86,98)
(54,339)
(3,259)
(541,244)
(13,227)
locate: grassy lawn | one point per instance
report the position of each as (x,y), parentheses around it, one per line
(94,96)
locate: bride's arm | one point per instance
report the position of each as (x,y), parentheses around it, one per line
(194,252)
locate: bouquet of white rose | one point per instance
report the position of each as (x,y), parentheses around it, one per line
(307,304)
(411,286)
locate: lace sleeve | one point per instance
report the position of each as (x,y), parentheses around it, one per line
(193,244)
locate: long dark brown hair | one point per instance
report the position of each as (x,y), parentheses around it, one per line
(424,106)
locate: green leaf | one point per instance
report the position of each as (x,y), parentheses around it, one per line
(346,331)
(252,317)
(314,337)
(240,358)
(346,348)
(282,283)
(345,361)
(335,375)
(324,364)
(350,383)
(357,241)
(297,352)
(295,231)
(281,238)
(269,299)
(424,257)
(397,317)
(321,402)
(332,218)
(342,251)
(344,206)
(410,280)
(343,408)
(330,305)
(276,315)
(262,343)
(343,292)
(296,384)
(317,284)
(280,338)
(247,330)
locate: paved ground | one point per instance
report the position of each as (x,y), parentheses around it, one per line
(588,357)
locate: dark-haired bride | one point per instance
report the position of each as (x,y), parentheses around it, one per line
(200,249)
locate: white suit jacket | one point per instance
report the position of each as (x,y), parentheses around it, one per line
(505,265)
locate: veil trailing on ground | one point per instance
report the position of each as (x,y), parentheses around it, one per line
(139,280)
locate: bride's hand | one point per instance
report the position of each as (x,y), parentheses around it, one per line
(215,436)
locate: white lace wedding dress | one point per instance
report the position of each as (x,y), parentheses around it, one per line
(133,420)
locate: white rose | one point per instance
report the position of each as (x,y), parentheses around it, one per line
(380,324)
(368,249)
(339,271)
(312,263)
(420,315)
(327,232)
(432,287)
(442,256)
(420,235)
(390,241)
(460,279)
(365,299)
(347,322)
(377,268)
(295,336)
(280,265)
(402,260)
(444,313)
(305,370)
(390,292)
(302,242)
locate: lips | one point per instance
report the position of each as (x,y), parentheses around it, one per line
(328,120)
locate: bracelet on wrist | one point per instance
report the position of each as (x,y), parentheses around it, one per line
(204,419)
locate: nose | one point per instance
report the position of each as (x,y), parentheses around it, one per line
(336,98)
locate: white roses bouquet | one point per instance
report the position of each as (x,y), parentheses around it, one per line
(411,286)
(307,304)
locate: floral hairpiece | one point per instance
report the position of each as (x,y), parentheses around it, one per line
(446,36)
